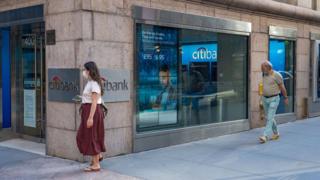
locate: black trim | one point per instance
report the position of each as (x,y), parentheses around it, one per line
(21,15)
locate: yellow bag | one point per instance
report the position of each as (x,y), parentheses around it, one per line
(261,110)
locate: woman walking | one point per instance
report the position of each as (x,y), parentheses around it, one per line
(90,136)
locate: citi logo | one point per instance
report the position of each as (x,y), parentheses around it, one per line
(56,83)
(204,54)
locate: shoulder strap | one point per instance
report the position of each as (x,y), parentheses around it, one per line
(274,78)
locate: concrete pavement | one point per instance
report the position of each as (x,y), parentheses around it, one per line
(21,165)
(238,156)
(296,155)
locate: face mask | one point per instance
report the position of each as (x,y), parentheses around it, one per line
(85,74)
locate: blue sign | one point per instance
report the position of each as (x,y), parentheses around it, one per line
(277,54)
(199,53)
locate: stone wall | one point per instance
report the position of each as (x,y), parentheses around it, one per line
(89,31)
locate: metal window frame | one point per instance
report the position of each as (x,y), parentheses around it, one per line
(26,15)
(188,21)
(146,140)
(284,33)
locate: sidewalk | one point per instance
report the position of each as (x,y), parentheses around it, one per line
(239,156)
(296,155)
(21,165)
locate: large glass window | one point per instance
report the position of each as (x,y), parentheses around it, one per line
(282,57)
(0,82)
(189,77)
(318,70)
(213,77)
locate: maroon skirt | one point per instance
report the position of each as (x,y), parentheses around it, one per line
(90,141)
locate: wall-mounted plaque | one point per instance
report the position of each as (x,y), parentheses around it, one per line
(50,37)
(63,84)
(117,86)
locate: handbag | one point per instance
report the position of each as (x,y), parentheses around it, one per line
(104,108)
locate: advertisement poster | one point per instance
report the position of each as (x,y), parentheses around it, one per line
(157,34)
(157,46)
(157,63)
(29,108)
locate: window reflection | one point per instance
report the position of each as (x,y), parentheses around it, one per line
(213,77)
(0,82)
(318,74)
(189,77)
(281,53)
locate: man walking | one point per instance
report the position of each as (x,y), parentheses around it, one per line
(272,86)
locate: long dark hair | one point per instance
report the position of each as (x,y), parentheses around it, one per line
(94,73)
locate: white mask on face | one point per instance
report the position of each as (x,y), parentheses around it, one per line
(85,74)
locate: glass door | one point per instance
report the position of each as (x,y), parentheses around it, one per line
(314,99)
(316,71)
(30,79)
(1,98)
(282,57)
(32,74)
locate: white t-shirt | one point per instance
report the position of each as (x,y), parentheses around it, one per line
(91,87)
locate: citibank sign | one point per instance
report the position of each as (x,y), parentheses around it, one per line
(57,83)
(117,87)
(204,54)
(199,53)
(63,84)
